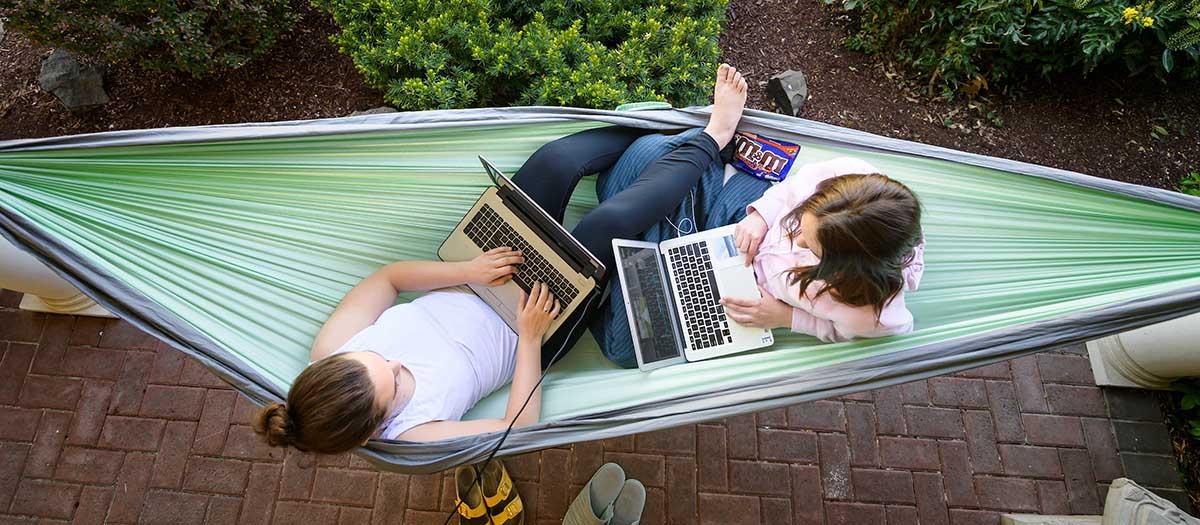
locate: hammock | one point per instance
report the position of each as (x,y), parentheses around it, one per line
(233,243)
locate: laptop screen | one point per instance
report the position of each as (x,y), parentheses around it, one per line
(647,297)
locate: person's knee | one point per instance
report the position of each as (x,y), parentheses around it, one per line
(619,350)
(608,221)
(556,158)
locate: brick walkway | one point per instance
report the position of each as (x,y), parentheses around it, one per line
(101,423)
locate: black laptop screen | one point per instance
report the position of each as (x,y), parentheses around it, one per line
(647,298)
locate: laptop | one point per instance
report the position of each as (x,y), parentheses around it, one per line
(672,297)
(505,216)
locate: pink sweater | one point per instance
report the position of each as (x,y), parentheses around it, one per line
(825,318)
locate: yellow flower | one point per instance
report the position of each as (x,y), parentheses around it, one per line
(1147,22)
(1129,14)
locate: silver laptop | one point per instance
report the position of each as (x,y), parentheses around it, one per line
(505,216)
(672,297)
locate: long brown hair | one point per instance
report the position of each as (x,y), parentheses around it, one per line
(867,228)
(330,409)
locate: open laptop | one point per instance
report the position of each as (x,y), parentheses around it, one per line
(505,216)
(672,297)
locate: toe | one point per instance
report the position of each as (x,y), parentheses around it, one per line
(723,72)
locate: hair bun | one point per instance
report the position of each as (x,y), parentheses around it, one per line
(274,424)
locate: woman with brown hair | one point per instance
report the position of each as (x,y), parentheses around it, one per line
(411,371)
(834,247)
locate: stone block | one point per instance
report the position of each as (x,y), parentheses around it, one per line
(374,111)
(789,90)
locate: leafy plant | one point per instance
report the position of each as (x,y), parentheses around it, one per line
(429,54)
(1189,404)
(1191,186)
(964,46)
(192,37)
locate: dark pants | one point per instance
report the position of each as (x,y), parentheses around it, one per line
(550,176)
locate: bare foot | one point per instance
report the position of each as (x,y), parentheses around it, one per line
(729,98)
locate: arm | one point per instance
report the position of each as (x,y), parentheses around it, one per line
(774,202)
(764,312)
(363,304)
(804,322)
(770,313)
(749,234)
(915,268)
(536,313)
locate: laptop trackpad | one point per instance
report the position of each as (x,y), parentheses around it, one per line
(500,298)
(737,281)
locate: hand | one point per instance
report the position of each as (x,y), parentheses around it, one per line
(767,312)
(494,267)
(536,311)
(749,235)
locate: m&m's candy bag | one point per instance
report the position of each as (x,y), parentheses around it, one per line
(763,158)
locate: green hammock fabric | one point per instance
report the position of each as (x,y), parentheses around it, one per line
(245,245)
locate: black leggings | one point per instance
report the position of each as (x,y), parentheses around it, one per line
(550,176)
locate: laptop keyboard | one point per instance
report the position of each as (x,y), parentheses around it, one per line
(488,230)
(696,291)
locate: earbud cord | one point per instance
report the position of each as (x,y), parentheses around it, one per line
(507,431)
(686,221)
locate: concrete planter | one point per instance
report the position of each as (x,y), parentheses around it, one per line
(1150,357)
(44,290)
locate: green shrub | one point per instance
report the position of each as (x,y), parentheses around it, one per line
(429,54)
(1191,184)
(967,45)
(167,35)
(1187,394)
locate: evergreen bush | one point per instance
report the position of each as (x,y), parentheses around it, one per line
(439,54)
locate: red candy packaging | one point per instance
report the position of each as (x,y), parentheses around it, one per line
(763,158)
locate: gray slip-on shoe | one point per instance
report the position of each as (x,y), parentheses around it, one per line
(594,504)
(627,510)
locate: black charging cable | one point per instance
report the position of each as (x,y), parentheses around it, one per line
(500,443)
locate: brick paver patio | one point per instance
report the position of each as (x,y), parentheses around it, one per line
(101,423)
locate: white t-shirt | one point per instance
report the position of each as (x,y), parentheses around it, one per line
(455,346)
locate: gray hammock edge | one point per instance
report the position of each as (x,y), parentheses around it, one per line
(659,119)
(728,400)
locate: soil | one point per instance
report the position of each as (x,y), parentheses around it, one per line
(1187,447)
(1100,125)
(303,77)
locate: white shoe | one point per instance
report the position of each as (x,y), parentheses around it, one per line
(594,504)
(627,510)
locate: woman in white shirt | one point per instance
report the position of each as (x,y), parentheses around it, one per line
(410,371)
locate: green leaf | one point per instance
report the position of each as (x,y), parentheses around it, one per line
(1168,61)
(1188,402)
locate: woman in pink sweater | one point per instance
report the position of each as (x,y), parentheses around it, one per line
(834,247)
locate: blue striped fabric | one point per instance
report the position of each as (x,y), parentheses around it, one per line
(711,205)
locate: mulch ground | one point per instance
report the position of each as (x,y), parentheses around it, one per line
(304,77)
(1187,447)
(1100,125)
